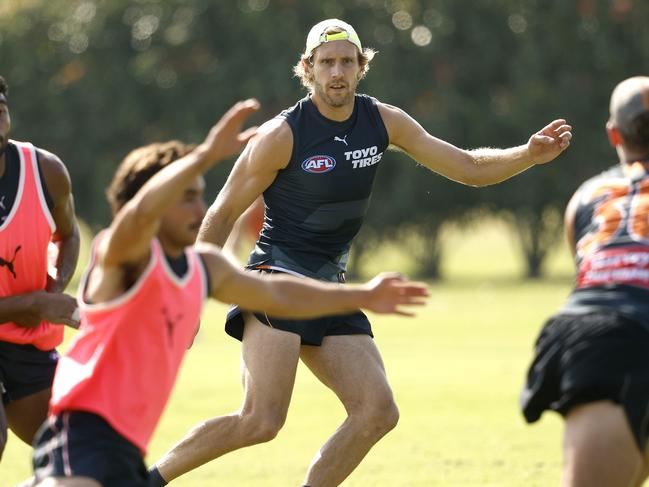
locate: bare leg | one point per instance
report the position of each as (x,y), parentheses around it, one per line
(269,363)
(599,449)
(352,367)
(27,414)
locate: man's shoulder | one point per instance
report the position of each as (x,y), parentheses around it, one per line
(55,173)
(275,131)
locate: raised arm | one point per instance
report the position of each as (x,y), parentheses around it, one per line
(128,240)
(257,166)
(478,167)
(66,235)
(293,297)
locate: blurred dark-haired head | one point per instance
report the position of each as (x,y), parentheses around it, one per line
(139,166)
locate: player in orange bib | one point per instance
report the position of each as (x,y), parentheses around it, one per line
(140,303)
(36,215)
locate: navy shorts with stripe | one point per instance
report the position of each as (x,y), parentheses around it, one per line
(591,357)
(81,444)
(25,370)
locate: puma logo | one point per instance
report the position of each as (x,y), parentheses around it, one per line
(2,203)
(343,140)
(9,264)
(170,324)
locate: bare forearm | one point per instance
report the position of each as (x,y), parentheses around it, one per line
(66,261)
(166,187)
(16,308)
(216,227)
(490,166)
(308,298)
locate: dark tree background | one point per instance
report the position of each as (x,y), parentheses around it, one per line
(92,79)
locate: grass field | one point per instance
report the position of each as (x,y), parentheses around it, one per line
(456,371)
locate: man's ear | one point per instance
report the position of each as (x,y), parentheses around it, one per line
(614,136)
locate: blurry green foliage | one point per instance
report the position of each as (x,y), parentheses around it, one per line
(92,79)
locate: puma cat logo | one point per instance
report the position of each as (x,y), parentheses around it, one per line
(343,140)
(9,264)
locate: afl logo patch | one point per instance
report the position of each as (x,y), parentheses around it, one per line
(319,164)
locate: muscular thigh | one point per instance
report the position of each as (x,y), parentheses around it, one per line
(269,360)
(351,366)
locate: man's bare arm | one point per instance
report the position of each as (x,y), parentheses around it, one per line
(66,236)
(478,167)
(255,170)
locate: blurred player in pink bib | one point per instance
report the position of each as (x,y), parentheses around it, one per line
(140,303)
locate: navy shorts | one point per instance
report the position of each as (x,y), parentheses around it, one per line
(311,331)
(25,370)
(76,443)
(591,357)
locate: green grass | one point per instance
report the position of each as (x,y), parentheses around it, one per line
(456,371)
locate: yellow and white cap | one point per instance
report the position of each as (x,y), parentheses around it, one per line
(317,35)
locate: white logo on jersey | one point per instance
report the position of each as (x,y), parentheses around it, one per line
(343,140)
(364,157)
(2,203)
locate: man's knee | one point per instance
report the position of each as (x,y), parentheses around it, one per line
(262,427)
(380,417)
(388,416)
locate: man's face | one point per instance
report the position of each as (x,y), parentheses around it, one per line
(335,72)
(5,123)
(180,225)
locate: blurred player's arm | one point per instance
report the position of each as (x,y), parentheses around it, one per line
(66,236)
(255,170)
(30,309)
(287,296)
(128,239)
(478,167)
(569,221)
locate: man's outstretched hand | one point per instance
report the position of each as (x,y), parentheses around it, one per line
(390,291)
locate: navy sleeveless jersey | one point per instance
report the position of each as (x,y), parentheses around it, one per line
(612,244)
(316,205)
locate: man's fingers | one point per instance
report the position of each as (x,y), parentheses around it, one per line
(239,112)
(555,124)
(403,313)
(543,139)
(247,134)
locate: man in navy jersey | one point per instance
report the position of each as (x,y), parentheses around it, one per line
(315,164)
(36,216)
(592,358)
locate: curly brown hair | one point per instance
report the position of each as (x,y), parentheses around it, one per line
(306,78)
(139,166)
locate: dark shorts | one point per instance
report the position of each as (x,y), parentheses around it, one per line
(25,370)
(586,358)
(311,331)
(83,444)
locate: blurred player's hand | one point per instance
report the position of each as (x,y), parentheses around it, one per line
(390,291)
(226,138)
(57,308)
